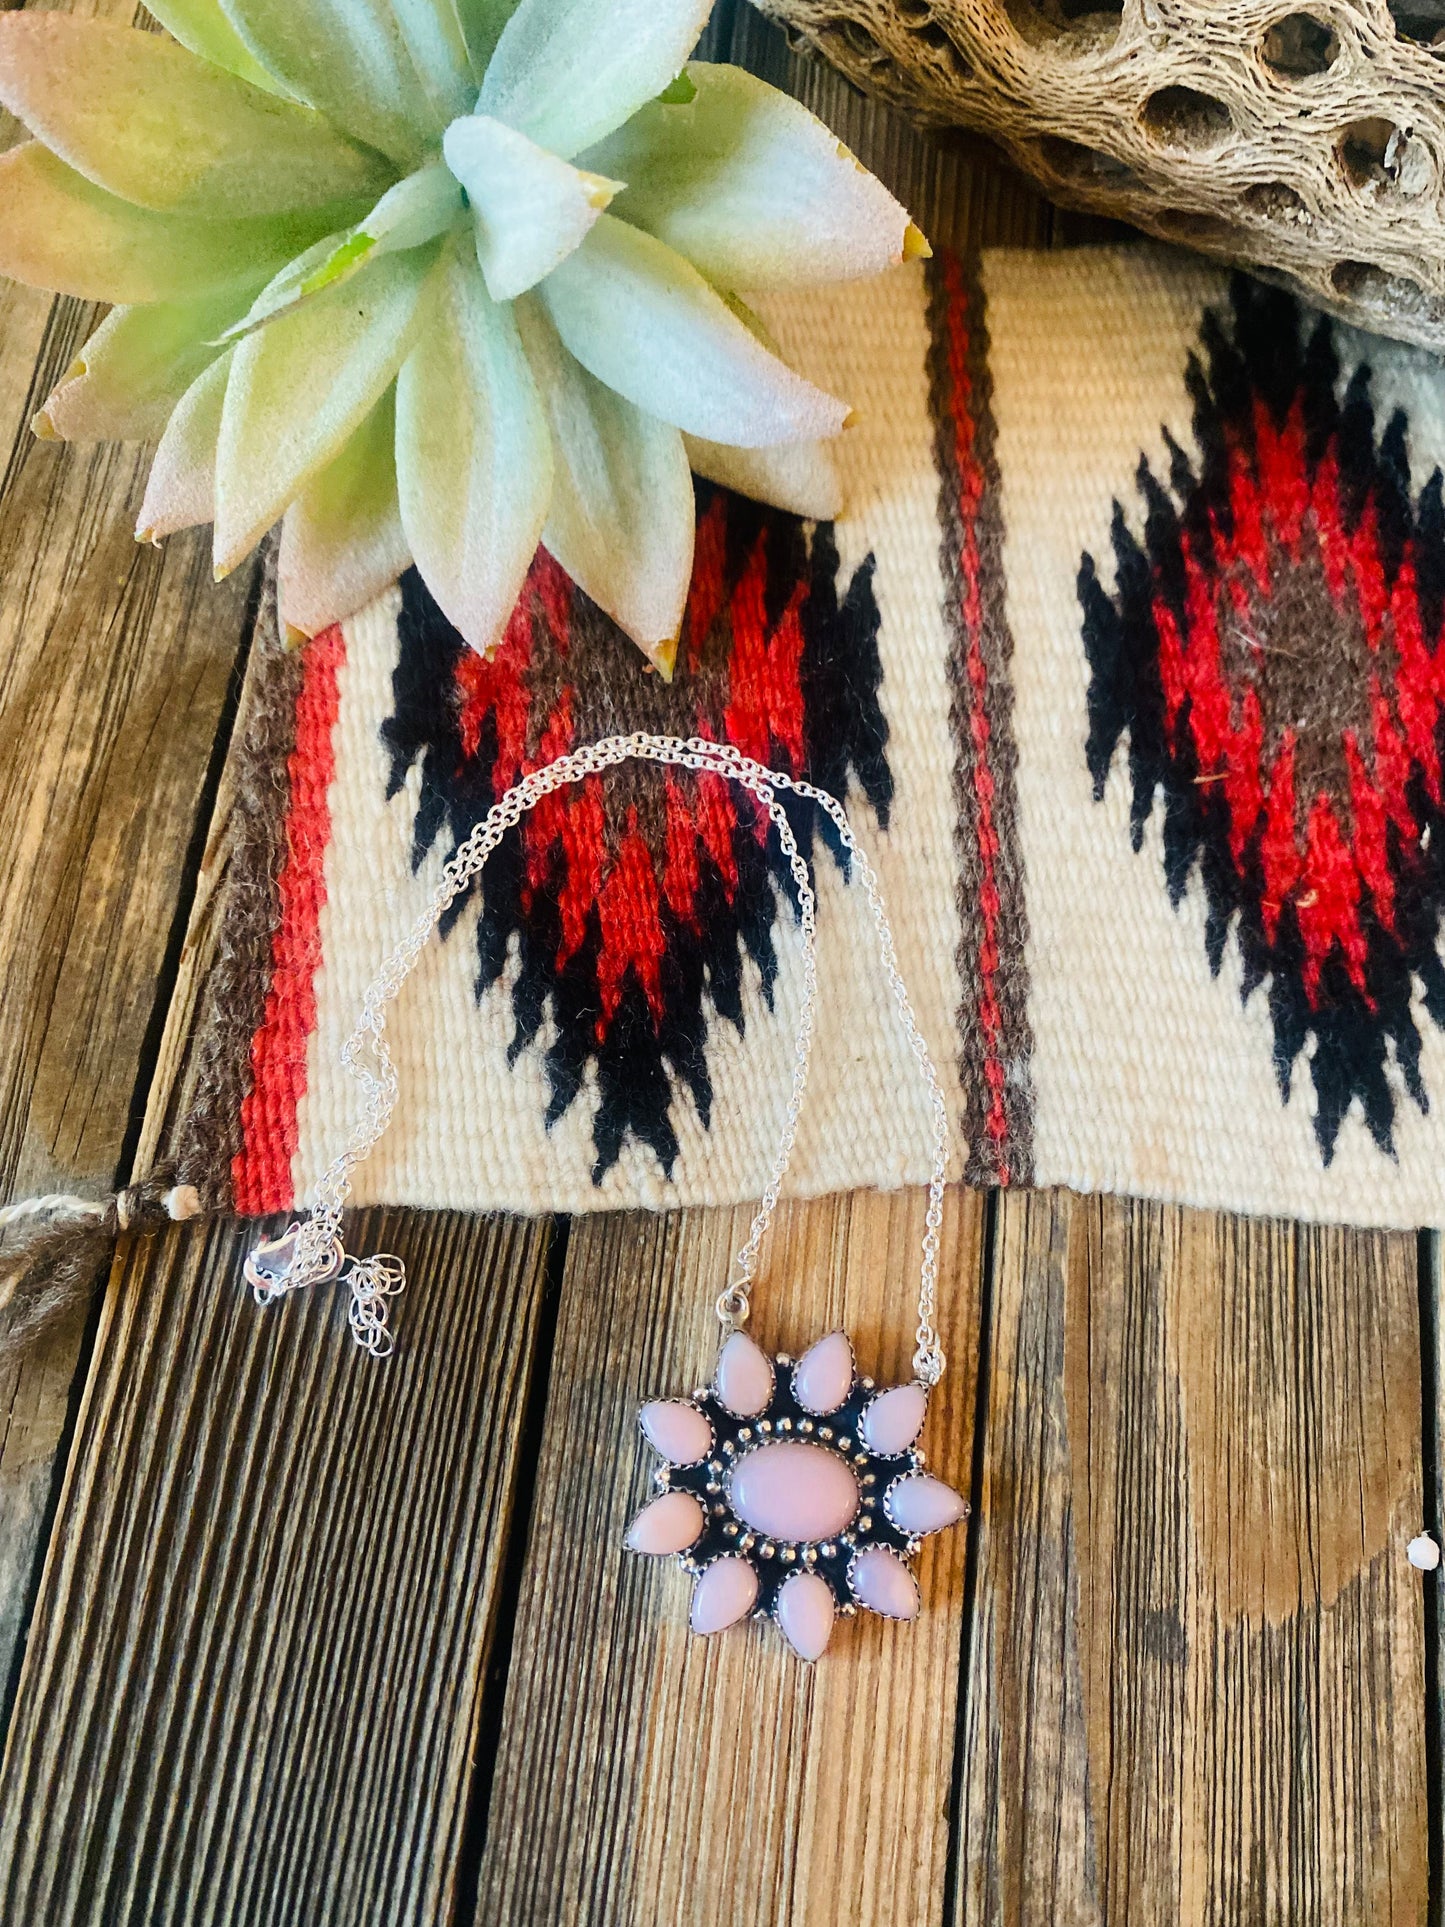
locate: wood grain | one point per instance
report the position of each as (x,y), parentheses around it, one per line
(1432,1585)
(115,663)
(644,1775)
(256,1667)
(1195,1690)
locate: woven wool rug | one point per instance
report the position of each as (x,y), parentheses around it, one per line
(1126,661)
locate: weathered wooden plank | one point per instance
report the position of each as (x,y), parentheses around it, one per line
(644,1775)
(1197,1662)
(1432,1335)
(115,663)
(257,1660)
(114,668)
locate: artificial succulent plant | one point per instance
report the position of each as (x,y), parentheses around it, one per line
(432,281)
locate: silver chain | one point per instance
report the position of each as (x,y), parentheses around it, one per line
(311,1252)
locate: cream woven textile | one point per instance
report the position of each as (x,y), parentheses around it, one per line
(1123,659)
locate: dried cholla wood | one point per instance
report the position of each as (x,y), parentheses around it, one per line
(1308,143)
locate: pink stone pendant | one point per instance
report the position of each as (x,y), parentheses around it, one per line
(798,1490)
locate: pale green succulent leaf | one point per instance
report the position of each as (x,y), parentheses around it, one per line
(181,491)
(348,58)
(158,126)
(752,188)
(622,518)
(801,477)
(417,210)
(302,386)
(566,72)
(473,456)
(202,26)
(531,209)
(342,542)
(130,376)
(60,231)
(482,24)
(432,31)
(645,322)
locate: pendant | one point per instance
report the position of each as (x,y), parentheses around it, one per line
(792,1490)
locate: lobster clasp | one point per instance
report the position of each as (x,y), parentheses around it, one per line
(270,1267)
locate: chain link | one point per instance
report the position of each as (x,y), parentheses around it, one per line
(311,1251)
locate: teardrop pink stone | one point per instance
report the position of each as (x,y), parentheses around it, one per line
(805,1614)
(670,1524)
(823,1376)
(792,1491)
(726,1592)
(921,1504)
(884,1584)
(679,1431)
(744,1377)
(894,1419)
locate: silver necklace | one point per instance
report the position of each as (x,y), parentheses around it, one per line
(790,1489)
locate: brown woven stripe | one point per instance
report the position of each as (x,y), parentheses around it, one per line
(208,1135)
(995,1041)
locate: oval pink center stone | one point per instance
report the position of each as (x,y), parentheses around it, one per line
(793,1491)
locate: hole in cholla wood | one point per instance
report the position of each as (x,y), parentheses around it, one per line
(943,42)
(1276,201)
(1379,157)
(1192,227)
(1368,151)
(1041,21)
(1299,45)
(1183,117)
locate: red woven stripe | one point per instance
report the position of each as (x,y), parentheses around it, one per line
(970,490)
(261,1172)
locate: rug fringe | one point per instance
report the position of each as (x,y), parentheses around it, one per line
(53,1248)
